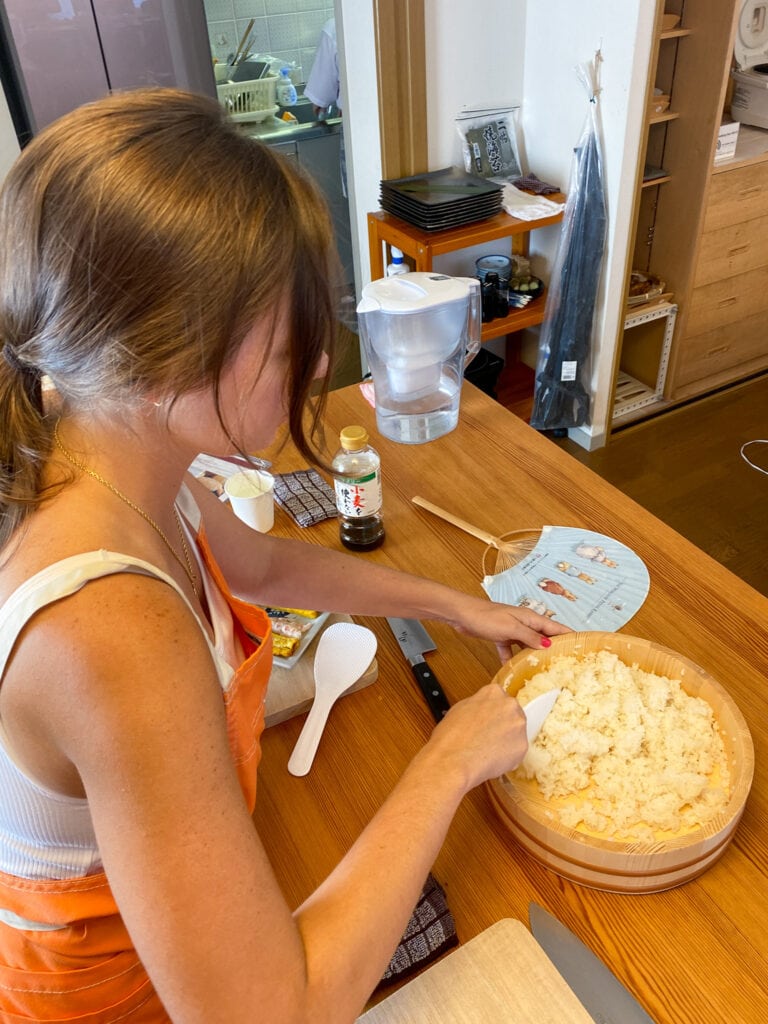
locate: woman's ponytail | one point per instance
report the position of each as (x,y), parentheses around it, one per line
(25,441)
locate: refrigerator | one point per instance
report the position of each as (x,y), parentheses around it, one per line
(57,54)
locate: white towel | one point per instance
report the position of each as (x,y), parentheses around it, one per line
(527,207)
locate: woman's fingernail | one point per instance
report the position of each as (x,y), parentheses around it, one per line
(546,642)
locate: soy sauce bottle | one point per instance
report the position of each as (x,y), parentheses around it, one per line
(357,483)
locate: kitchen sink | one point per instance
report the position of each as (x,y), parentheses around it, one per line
(304,112)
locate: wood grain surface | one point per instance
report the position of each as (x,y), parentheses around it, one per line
(696,954)
(502,975)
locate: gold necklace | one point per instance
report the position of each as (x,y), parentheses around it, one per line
(186,565)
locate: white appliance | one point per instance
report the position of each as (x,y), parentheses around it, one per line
(750,94)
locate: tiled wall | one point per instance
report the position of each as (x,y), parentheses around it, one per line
(287,29)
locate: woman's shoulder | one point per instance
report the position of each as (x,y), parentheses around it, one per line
(40,585)
(119,654)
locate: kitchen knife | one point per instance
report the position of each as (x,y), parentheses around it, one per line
(599,991)
(414,641)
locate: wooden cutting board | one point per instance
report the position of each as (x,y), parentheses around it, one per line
(501,976)
(292,690)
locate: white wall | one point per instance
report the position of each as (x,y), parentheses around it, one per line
(9,147)
(475,57)
(360,103)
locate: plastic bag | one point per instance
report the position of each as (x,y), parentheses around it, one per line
(489,142)
(563,372)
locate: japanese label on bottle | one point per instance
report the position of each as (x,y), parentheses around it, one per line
(358,496)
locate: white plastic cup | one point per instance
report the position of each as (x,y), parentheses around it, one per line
(251,494)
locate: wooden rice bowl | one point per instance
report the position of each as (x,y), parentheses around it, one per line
(609,864)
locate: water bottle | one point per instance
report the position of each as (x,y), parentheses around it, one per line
(357,482)
(285,90)
(398,264)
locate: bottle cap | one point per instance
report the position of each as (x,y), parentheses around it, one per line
(353,438)
(397,256)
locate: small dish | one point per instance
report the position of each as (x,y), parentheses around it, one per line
(306,640)
(497,264)
(644,288)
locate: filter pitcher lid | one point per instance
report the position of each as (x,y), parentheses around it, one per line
(409,293)
(751,44)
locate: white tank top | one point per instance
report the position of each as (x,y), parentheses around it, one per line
(44,834)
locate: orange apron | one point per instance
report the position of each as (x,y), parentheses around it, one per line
(86,968)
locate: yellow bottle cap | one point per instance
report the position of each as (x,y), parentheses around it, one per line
(353,438)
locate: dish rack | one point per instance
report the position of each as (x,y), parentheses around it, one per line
(253,100)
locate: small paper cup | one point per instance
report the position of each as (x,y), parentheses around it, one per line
(251,494)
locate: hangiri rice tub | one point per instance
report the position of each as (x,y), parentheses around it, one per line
(639,775)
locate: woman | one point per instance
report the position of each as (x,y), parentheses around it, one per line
(169,277)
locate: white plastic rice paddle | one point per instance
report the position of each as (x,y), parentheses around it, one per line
(536,711)
(344,652)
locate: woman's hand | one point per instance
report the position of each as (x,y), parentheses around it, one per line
(506,625)
(481,737)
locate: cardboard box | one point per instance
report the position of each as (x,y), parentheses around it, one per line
(726,141)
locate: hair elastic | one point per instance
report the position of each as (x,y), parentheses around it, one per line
(11,357)
(31,377)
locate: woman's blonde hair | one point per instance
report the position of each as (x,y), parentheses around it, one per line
(141,237)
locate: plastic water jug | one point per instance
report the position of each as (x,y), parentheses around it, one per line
(419,332)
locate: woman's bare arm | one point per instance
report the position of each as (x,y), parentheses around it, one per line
(137,711)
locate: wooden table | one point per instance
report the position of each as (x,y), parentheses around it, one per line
(692,955)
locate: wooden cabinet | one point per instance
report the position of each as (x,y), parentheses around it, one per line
(701,228)
(725,335)
(423,246)
(736,194)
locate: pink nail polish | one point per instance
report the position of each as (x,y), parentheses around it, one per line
(546,642)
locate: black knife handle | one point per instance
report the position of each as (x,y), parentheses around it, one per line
(432,690)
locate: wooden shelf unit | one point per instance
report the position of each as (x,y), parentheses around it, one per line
(674,220)
(421,247)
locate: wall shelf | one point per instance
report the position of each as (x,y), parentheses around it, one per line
(421,247)
(675,33)
(668,115)
(650,182)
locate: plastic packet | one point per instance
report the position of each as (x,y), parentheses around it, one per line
(489,142)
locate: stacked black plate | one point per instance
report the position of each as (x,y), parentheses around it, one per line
(441,199)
